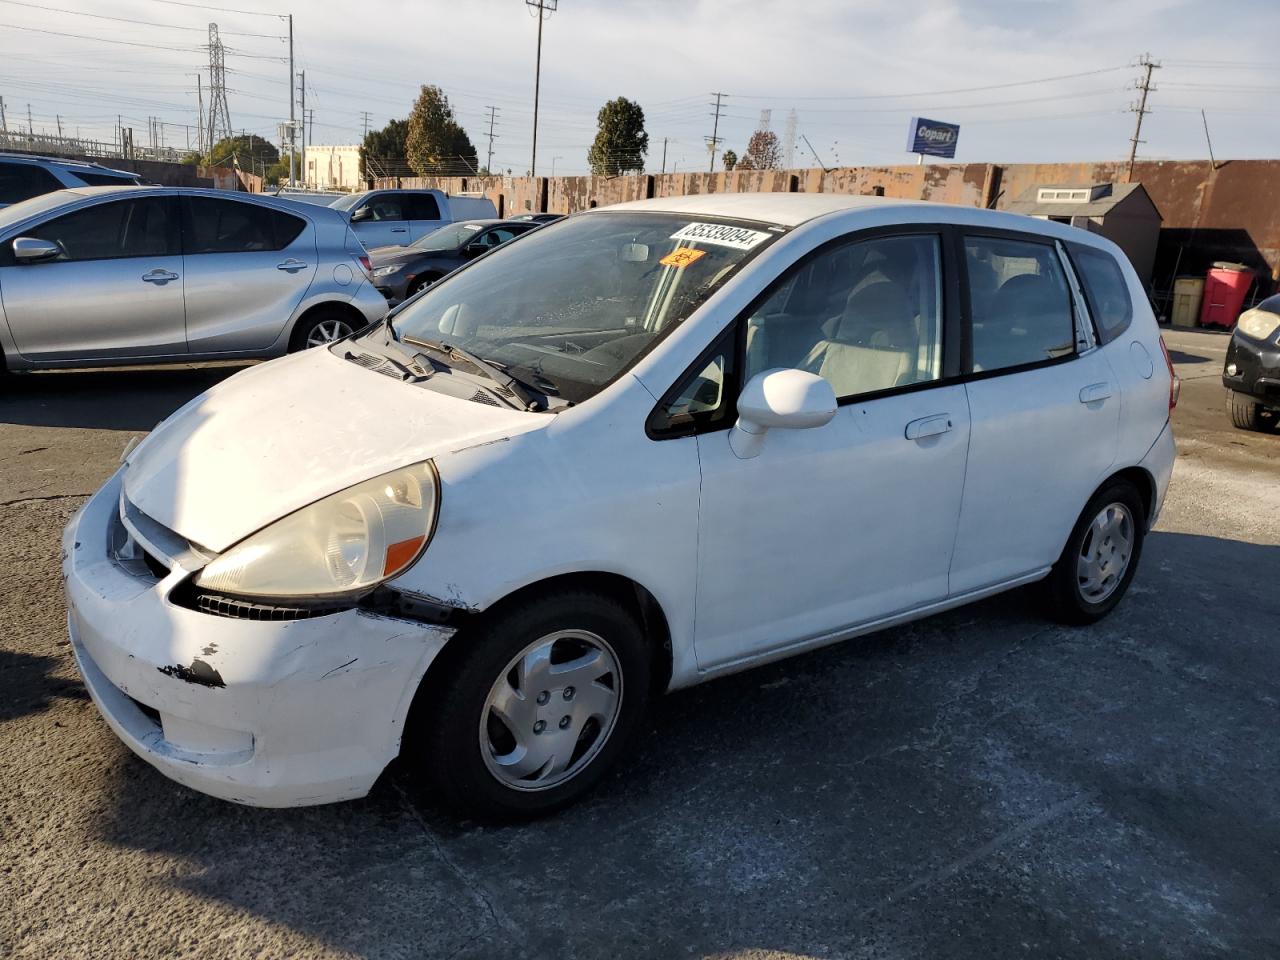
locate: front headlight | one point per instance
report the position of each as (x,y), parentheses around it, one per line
(388,270)
(1259,324)
(344,544)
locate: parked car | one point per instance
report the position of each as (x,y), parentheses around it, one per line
(476,534)
(1251,372)
(400,272)
(383,218)
(539,217)
(110,275)
(23,177)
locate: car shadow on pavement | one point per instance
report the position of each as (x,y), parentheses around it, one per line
(132,399)
(30,686)
(1178,356)
(983,782)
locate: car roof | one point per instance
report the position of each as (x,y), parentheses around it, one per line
(62,162)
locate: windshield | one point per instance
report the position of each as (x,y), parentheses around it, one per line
(447,238)
(346,203)
(574,304)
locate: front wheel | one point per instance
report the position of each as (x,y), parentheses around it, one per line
(1100,558)
(1245,414)
(533,708)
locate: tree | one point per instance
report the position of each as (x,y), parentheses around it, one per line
(762,153)
(383,152)
(621,142)
(730,159)
(251,152)
(435,144)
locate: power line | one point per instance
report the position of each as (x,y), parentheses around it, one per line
(138,23)
(209,6)
(80,36)
(941,93)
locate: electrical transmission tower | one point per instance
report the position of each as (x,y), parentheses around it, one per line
(766,120)
(219,117)
(1140,108)
(713,141)
(790,153)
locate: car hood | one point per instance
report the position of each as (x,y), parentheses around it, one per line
(278,436)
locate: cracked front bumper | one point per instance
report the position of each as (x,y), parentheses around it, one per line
(270,714)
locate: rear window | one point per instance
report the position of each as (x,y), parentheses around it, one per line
(107,179)
(1105,289)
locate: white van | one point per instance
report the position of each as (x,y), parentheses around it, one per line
(643,447)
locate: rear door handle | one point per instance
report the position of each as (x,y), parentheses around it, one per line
(1095,392)
(399,229)
(929,426)
(291,265)
(159,276)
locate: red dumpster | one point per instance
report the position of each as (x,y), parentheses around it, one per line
(1225,287)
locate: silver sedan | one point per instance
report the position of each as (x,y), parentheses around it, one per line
(107,275)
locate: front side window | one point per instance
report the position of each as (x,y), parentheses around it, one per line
(1020,303)
(1105,287)
(866,316)
(384,206)
(107,231)
(496,236)
(229,226)
(570,309)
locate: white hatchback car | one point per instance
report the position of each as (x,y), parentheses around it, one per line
(643,447)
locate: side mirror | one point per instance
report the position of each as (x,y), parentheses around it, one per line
(474,249)
(31,250)
(779,400)
(361,215)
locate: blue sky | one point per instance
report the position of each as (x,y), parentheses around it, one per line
(853,72)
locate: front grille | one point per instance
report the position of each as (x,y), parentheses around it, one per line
(223,606)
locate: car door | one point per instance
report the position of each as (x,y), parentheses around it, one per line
(248,266)
(1045,408)
(841,525)
(424,215)
(116,290)
(382,220)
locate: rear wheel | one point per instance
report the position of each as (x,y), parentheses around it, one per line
(533,708)
(1245,413)
(1100,558)
(321,327)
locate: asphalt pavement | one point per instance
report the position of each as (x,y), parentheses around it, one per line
(980,784)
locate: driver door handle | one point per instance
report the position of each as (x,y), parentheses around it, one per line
(932,426)
(291,265)
(159,276)
(399,229)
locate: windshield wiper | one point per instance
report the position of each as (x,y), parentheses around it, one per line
(495,373)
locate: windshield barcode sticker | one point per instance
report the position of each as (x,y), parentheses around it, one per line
(721,235)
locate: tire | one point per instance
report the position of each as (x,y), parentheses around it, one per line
(419,285)
(478,748)
(1245,413)
(320,327)
(1085,584)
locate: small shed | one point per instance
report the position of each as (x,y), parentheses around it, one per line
(1121,212)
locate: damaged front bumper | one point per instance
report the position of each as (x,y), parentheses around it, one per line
(270,714)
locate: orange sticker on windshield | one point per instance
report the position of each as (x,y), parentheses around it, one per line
(682,257)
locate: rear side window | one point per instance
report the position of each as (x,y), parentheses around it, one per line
(1106,290)
(22,181)
(422,206)
(106,179)
(1020,303)
(229,226)
(107,231)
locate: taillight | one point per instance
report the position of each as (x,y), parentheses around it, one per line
(1175,384)
(367,265)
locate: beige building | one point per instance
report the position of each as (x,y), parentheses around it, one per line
(333,167)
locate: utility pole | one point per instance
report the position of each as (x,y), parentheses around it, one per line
(488,162)
(714,140)
(664,154)
(31,130)
(293,133)
(541,9)
(1140,108)
(302,81)
(200,108)
(364,115)
(58,118)
(4,124)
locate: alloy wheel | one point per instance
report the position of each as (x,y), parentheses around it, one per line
(551,711)
(1105,553)
(327,331)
